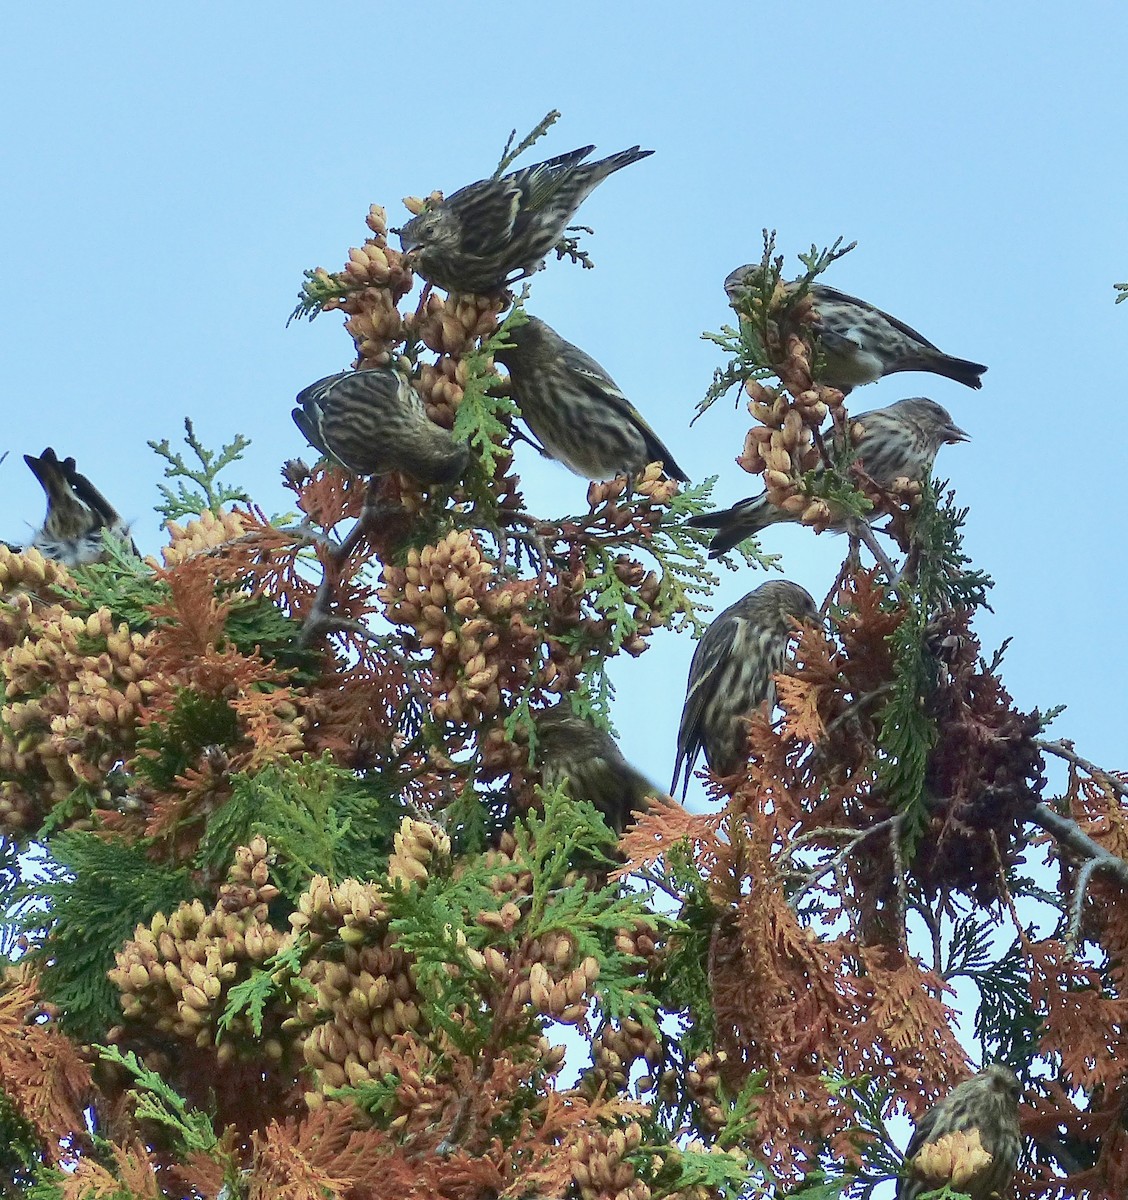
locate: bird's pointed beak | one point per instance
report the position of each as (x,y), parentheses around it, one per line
(955,434)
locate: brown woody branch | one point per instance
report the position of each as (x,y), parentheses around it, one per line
(320,616)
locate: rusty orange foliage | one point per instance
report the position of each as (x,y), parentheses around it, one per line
(1080,1022)
(664,825)
(1054,1116)
(864,622)
(40,1068)
(1098,810)
(911,1027)
(324,1154)
(134,1174)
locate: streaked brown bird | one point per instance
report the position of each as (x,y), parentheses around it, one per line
(576,410)
(861,343)
(476,239)
(730,675)
(374,421)
(986,1105)
(900,441)
(78,515)
(570,749)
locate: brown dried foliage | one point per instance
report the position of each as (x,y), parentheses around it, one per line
(41,1070)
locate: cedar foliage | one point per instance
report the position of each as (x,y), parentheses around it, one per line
(308,927)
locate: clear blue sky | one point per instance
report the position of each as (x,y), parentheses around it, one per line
(170,171)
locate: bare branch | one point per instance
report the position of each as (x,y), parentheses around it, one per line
(865,535)
(856,838)
(1071,835)
(1077,902)
(1064,749)
(333,561)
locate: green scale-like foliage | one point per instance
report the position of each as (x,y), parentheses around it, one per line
(94,892)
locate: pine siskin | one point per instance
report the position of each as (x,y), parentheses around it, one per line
(373,422)
(571,749)
(575,409)
(861,344)
(731,674)
(77,513)
(900,441)
(986,1105)
(476,238)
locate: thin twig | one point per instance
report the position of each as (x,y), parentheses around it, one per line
(334,556)
(322,601)
(328,624)
(658,882)
(538,131)
(892,824)
(839,579)
(1077,902)
(1058,1151)
(1070,834)
(854,705)
(533,540)
(1064,749)
(929,918)
(865,535)
(902,885)
(458,1125)
(828,832)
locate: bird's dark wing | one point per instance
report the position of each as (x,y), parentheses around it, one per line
(90,496)
(486,213)
(821,291)
(540,182)
(598,384)
(310,430)
(714,649)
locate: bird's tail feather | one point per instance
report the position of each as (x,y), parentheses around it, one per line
(616,162)
(962,370)
(52,473)
(735,524)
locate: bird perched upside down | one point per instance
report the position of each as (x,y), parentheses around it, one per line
(78,515)
(374,421)
(731,674)
(985,1109)
(474,240)
(898,442)
(860,343)
(575,409)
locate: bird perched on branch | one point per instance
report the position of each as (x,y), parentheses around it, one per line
(860,343)
(575,409)
(731,674)
(970,1139)
(898,442)
(570,749)
(475,239)
(78,515)
(374,421)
